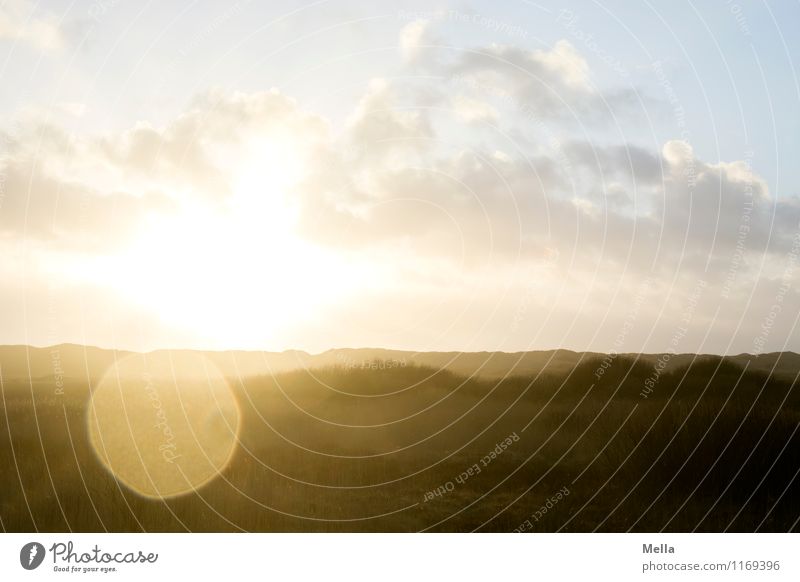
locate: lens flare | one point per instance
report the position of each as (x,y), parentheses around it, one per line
(163,426)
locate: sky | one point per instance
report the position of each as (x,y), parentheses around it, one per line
(425,176)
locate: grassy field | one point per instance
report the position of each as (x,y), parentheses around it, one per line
(712,447)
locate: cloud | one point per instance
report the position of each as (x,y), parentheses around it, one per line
(607,162)
(70,215)
(432,209)
(623,205)
(713,205)
(389,177)
(473,111)
(379,125)
(21,22)
(548,82)
(414,37)
(96,190)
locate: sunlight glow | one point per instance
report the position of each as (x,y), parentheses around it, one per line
(234,273)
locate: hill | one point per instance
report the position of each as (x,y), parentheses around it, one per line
(77,362)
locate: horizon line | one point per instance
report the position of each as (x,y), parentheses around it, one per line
(411,351)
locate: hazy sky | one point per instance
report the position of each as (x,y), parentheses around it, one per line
(436,176)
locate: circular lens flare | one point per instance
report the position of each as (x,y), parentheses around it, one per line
(164,426)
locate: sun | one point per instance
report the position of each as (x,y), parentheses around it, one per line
(235,272)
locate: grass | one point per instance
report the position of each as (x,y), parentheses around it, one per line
(713,448)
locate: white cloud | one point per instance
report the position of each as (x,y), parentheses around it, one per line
(409,208)
(564,61)
(20,21)
(473,110)
(380,124)
(546,81)
(95,190)
(414,37)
